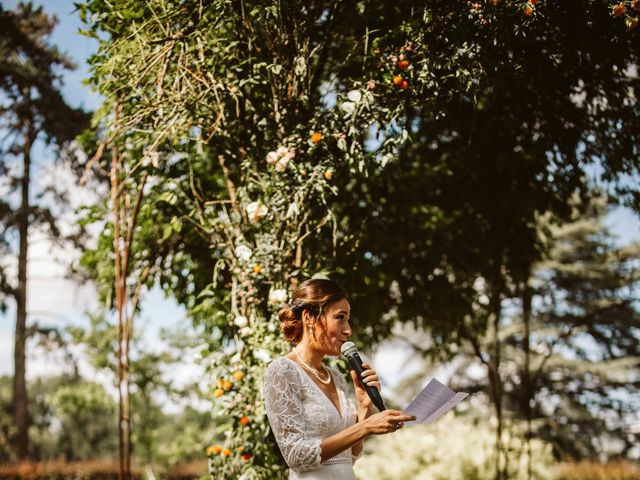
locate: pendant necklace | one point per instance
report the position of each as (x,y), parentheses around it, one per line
(313,370)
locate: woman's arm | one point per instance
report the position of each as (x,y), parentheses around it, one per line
(377,424)
(337,443)
(356,450)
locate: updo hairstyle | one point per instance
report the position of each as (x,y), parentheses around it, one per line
(313,295)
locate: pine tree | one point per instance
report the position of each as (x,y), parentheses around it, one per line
(33,109)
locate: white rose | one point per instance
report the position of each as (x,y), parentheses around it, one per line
(240,321)
(281,151)
(272,157)
(277,296)
(151,158)
(256,211)
(293,210)
(245,331)
(354,95)
(262,354)
(281,166)
(291,154)
(348,107)
(224,217)
(243,252)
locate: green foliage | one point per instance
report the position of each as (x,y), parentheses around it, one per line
(70,418)
(85,412)
(272,142)
(573,369)
(160,438)
(454,448)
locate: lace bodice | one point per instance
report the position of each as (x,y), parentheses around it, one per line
(301,415)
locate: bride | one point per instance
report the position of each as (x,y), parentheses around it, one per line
(316,423)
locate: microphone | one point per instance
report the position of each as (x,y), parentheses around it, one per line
(350,354)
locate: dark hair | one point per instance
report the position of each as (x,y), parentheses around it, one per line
(313,295)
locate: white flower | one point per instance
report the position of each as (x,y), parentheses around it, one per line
(243,253)
(240,321)
(348,107)
(151,158)
(272,157)
(291,154)
(281,166)
(354,96)
(282,151)
(277,296)
(262,354)
(245,331)
(256,211)
(224,217)
(293,210)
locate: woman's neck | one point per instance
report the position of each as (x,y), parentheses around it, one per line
(310,355)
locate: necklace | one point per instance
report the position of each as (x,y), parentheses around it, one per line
(313,370)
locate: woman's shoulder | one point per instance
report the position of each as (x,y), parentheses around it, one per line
(280,366)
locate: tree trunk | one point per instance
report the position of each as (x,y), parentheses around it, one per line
(526,380)
(496,381)
(20,411)
(120,296)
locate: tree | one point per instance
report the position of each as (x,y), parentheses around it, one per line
(33,108)
(158,438)
(569,343)
(585,345)
(250,129)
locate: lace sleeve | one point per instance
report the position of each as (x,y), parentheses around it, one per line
(281,390)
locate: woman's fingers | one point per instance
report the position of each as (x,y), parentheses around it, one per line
(370,377)
(399,416)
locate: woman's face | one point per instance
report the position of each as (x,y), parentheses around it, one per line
(333,328)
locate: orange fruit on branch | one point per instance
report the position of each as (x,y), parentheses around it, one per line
(619,10)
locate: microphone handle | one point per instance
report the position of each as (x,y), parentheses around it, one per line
(356,364)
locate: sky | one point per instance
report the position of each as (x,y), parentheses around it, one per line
(58,302)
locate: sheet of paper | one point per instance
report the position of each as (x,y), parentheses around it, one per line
(432,402)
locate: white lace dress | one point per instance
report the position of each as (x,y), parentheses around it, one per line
(301,415)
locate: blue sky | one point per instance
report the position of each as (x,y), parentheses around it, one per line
(59,302)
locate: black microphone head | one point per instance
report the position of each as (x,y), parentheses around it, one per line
(348,348)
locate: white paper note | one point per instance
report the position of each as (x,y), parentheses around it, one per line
(432,402)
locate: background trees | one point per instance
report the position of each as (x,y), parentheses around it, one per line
(413,152)
(32,108)
(285,154)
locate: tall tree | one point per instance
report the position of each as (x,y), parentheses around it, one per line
(570,342)
(33,109)
(255,125)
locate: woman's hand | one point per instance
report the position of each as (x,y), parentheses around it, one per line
(386,421)
(365,405)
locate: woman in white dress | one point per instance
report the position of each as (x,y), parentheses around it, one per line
(317,425)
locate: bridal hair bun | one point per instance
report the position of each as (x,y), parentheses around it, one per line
(290,324)
(313,295)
